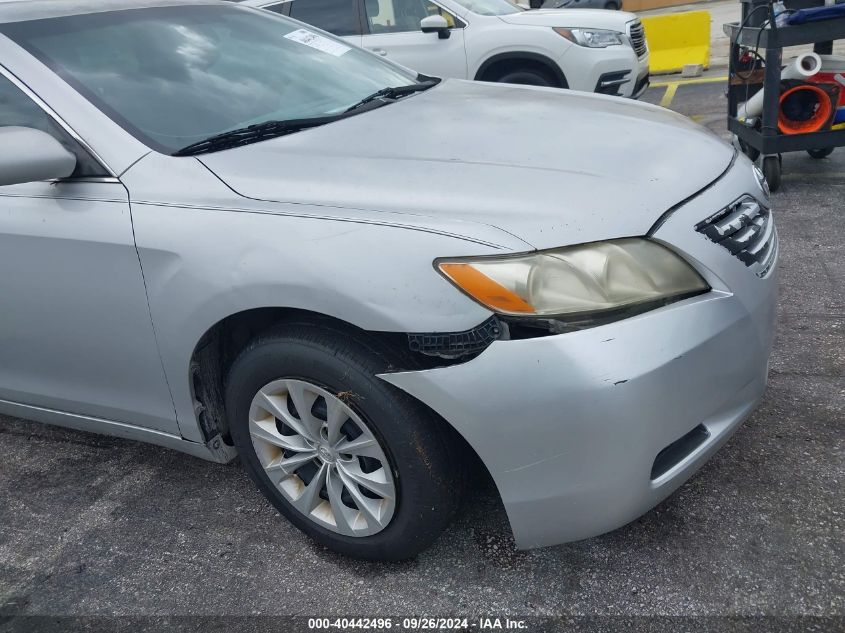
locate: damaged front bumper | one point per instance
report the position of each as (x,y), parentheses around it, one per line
(585,431)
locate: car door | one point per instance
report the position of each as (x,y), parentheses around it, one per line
(76,335)
(339,17)
(392,29)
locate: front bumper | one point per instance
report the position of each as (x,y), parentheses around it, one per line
(569,426)
(614,82)
(642,84)
(615,70)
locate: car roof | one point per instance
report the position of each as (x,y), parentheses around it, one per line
(23,10)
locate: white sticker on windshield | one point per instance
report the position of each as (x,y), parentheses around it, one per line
(314,40)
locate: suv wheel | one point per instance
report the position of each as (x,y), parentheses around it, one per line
(528,77)
(353,462)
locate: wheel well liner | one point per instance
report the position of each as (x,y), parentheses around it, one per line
(513,60)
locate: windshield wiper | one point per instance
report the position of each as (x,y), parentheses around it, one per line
(252,134)
(392,93)
(272,129)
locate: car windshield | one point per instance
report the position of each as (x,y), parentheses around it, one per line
(176,75)
(490,7)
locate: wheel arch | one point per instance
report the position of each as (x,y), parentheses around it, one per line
(222,342)
(191,317)
(513,59)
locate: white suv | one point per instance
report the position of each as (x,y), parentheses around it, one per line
(490,40)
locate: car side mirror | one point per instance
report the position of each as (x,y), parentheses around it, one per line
(436,24)
(30,155)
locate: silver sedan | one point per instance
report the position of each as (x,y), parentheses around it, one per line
(228,233)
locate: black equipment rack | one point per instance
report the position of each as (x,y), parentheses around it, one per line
(757,29)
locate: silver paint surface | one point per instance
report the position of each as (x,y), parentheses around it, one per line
(123,279)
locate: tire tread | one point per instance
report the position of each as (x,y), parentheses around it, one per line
(363,357)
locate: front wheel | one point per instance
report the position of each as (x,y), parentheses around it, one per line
(528,77)
(353,462)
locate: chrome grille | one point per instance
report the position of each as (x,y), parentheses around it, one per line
(637,35)
(746,229)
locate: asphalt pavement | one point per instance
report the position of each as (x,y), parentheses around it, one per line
(95,526)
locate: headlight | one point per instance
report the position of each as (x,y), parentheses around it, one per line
(577,282)
(592,38)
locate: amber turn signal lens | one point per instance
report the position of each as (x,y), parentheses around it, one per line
(483,289)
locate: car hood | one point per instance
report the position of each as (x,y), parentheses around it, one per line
(582,18)
(549,166)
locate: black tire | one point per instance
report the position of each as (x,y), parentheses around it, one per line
(528,77)
(820,153)
(611,6)
(772,171)
(423,455)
